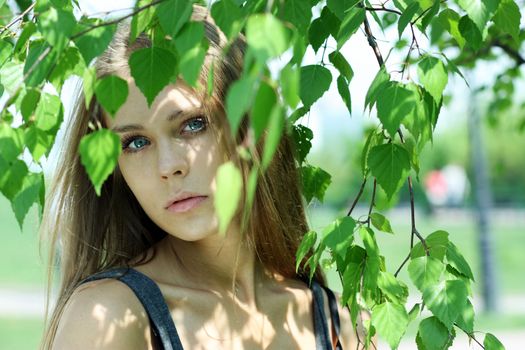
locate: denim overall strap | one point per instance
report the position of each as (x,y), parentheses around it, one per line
(322,335)
(151,298)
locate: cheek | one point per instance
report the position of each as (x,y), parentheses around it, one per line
(135,173)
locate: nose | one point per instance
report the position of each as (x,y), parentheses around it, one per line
(172,161)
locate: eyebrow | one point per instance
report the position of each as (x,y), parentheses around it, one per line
(134,127)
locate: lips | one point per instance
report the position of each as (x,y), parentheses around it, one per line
(185,204)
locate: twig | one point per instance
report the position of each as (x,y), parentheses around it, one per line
(383,8)
(510,51)
(357,197)
(115,21)
(372,42)
(402,264)
(18,18)
(372,201)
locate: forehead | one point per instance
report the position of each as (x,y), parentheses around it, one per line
(172,99)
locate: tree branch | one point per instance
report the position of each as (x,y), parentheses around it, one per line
(384,9)
(372,42)
(510,51)
(372,201)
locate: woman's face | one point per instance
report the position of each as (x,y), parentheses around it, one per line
(169,160)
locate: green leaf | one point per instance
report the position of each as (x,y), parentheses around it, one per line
(508,18)
(173,14)
(344,92)
(11,145)
(191,35)
(94,42)
(369,240)
(141,20)
(88,84)
(49,112)
(433,333)
(449,20)
(299,13)
(191,63)
(471,33)
(29,103)
(430,15)
(266,36)
(394,103)
(433,75)
(315,81)
(446,300)
(28,29)
(290,83)
(413,313)
(425,271)
(39,62)
(351,22)
(265,100)
(28,195)
(378,84)
(372,140)
(38,142)
(393,288)
(111,92)
(228,195)
(456,259)
(11,177)
(314,181)
(227,16)
(406,17)
(306,245)
(492,343)
(342,65)
(152,68)
(302,137)
(381,223)
(69,63)
(238,101)
(480,11)
(6,49)
(56,27)
(340,7)
(11,75)
(317,33)
(275,129)
(352,270)
(390,321)
(390,165)
(99,152)
(330,21)
(465,320)
(339,235)
(437,243)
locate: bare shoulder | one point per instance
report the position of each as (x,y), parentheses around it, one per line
(103,314)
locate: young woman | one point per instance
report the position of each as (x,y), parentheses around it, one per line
(144,267)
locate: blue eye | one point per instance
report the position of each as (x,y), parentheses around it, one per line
(135,143)
(195,125)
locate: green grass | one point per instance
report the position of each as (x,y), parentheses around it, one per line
(20,333)
(20,263)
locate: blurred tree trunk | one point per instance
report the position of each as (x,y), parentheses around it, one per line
(483,204)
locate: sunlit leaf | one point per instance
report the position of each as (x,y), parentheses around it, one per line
(152,68)
(433,333)
(99,152)
(433,75)
(27,196)
(344,92)
(265,100)
(173,14)
(456,259)
(351,22)
(446,300)
(390,320)
(394,289)
(275,129)
(94,42)
(306,245)
(508,18)
(266,35)
(381,222)
(390,164)
(227,16)
(56,26)
(339,235)
(394,103)
(425,271)
(238,102)
(480,11)
(437,243)
(298,12)
(492,343)
(290,83)
(111,92)
(228,194)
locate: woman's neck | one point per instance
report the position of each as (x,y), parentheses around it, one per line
(225,264)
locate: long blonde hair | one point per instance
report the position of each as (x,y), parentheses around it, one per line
(90,233)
